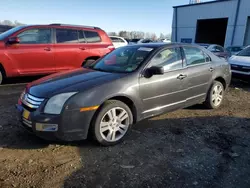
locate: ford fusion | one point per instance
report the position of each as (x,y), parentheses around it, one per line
(127,85)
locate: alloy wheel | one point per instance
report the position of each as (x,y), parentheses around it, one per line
(114,124)
(217,95)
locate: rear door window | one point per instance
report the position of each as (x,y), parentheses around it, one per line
(66,36)
(170,59)
(92,37)
(194,56)
(81,36)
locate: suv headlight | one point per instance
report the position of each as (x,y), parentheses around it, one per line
(55,103)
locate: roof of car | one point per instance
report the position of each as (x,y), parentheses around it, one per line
(161,44)
(65,25)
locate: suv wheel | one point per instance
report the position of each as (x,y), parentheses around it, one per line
(88,62)
(112,123)
(1,77)
(215,95)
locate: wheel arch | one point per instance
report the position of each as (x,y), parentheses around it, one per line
(221,80)
(90,57)
(2,69)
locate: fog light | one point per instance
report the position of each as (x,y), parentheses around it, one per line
(46,127)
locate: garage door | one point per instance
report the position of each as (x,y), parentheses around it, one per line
(247,34)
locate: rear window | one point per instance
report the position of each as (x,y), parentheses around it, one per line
(236,49)
(92,37)
(66,36)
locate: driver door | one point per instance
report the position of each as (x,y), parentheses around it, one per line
(164,92)
(34,54)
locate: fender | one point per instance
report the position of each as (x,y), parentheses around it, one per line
(9,65)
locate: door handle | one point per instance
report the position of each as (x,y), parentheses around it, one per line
(181,77)
(82,48)
(211,69)
(47,49)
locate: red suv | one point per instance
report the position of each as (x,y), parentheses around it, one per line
(45,49)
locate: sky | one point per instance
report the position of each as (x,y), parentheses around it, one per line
(111,15)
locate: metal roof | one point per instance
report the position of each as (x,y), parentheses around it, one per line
(202,3)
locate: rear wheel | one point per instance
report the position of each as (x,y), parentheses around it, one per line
(1,77)
(112,123)
(215,95)
(88,62)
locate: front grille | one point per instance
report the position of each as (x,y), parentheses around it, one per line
(31,101)
(240,68)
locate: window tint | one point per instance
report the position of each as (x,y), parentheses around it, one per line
(169,59)
(124,59)
(81,37)
(35,36)
(114,39)
(194,55)
(92,36)
(66,36)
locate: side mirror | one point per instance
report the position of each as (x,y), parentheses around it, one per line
(13,40)
(154,71)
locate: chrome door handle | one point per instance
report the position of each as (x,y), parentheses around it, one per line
(211,69)
(181,77)
(47,49)
(82,48)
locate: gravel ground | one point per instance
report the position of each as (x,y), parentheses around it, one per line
(192,147)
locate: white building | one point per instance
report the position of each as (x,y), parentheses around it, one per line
(224,22)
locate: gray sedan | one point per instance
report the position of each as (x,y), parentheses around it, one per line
(127,85)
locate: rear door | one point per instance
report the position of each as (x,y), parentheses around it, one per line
(34,54)
(66,49)
(96,44)
(165,92)
(199,73)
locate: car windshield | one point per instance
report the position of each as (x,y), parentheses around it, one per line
(245,52)
(10,32)
(235,49)
(204,45)
(134,40)
(123,60)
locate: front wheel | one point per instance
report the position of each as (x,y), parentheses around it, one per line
(112,123)
(215,95)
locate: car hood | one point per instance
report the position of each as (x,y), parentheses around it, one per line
(69,81)
(240,60)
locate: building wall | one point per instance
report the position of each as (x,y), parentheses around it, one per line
(187,19)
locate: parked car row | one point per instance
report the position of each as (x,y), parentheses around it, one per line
(104,99)
(240,64)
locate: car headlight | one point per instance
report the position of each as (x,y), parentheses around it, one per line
(55,103)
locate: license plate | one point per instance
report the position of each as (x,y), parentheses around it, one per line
(26,114)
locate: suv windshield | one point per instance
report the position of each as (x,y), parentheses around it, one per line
(123,60)
(10,32)
(245,52)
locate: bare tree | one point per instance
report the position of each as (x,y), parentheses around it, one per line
(7,22)
(162,36)
(10,23)
(112,33)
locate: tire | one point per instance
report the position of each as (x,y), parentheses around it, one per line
(1,77)
(108,129)
(88,62)
(215,95)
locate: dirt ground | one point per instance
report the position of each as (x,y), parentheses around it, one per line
(192,147)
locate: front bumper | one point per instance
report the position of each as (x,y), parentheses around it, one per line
(241,76)
(71,125)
